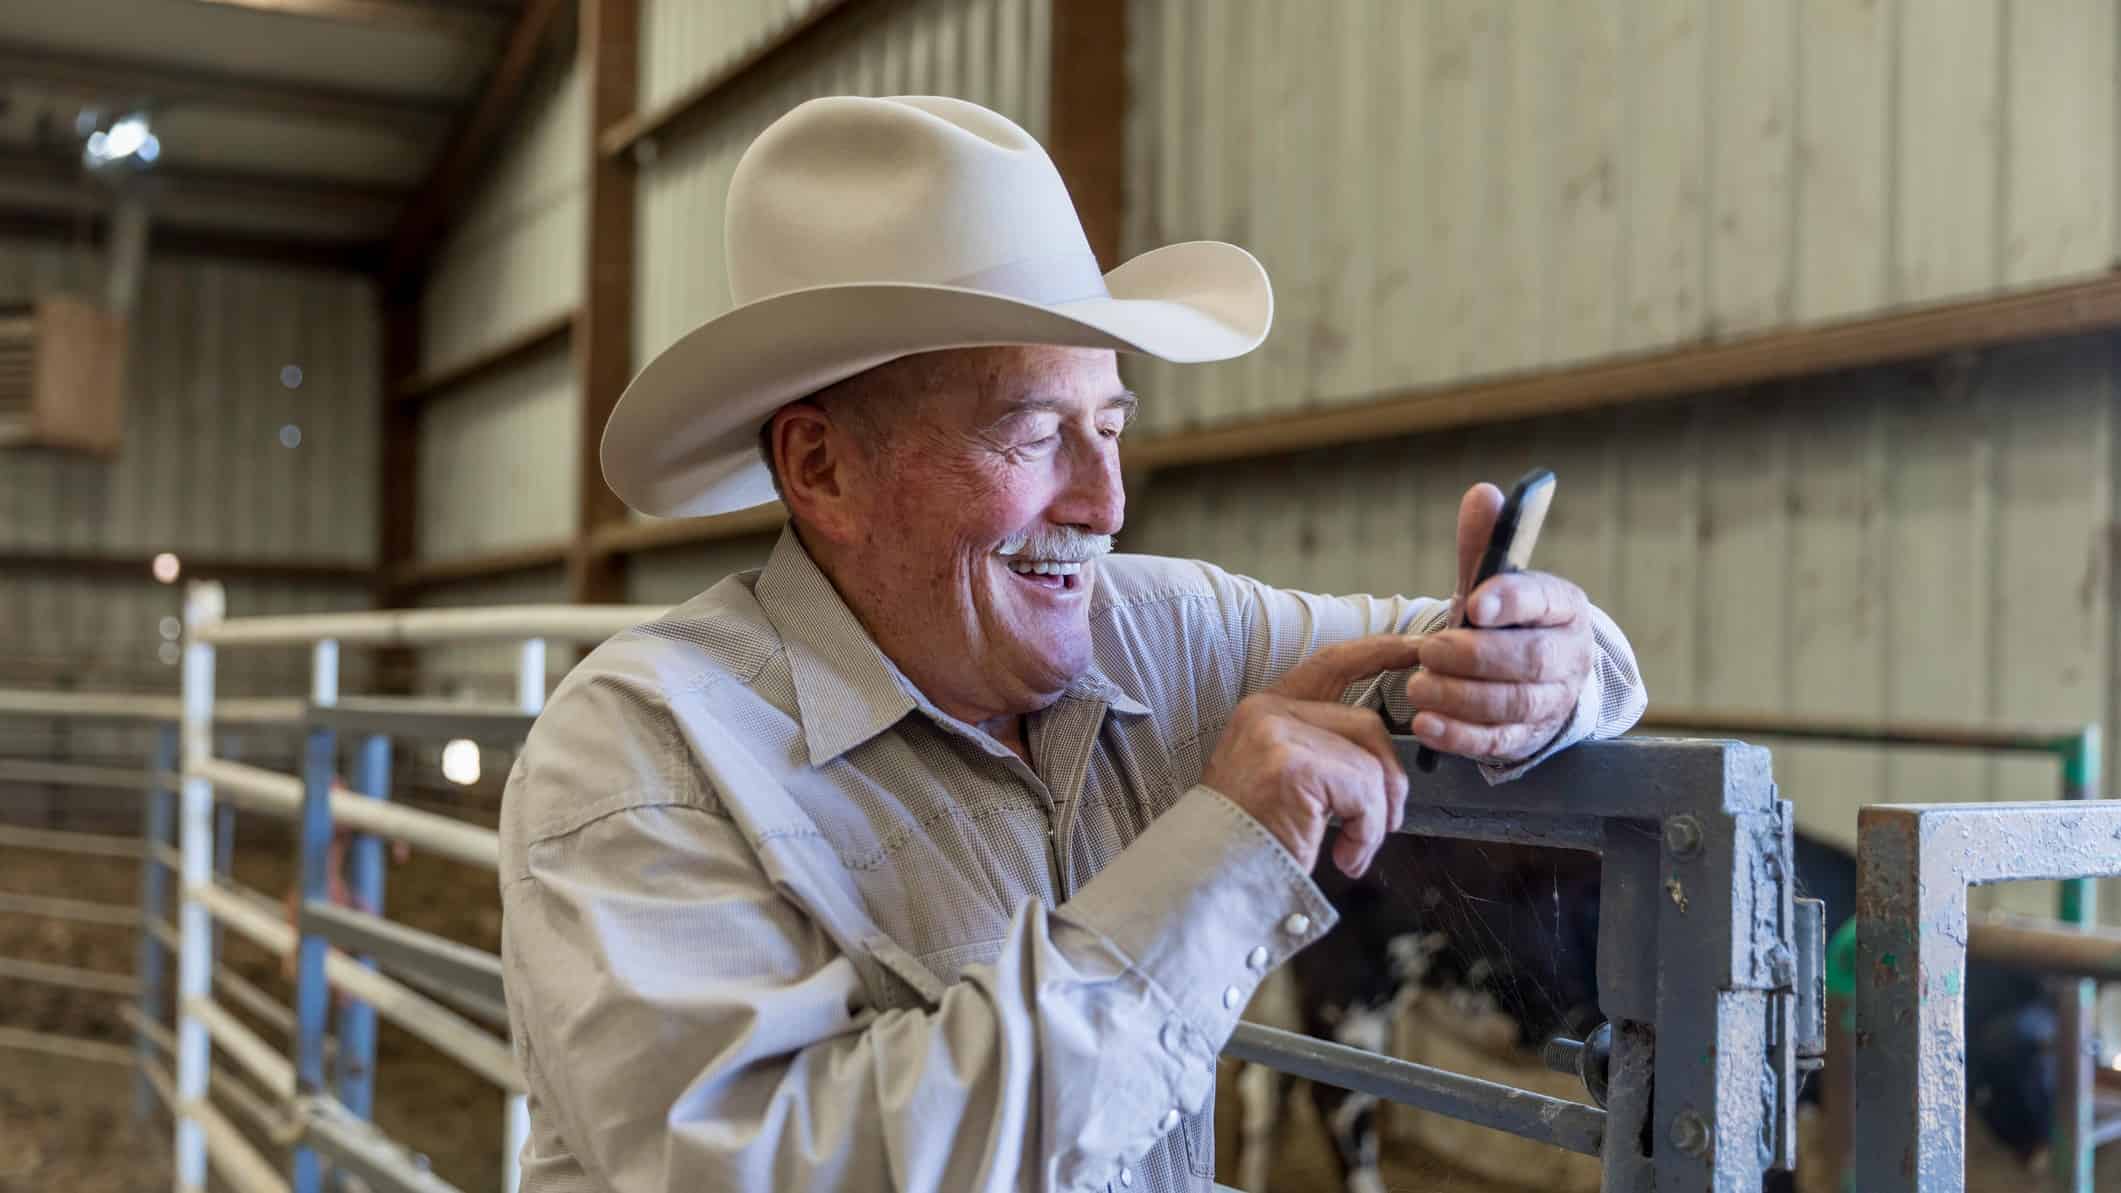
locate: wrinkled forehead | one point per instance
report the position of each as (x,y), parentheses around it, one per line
(977,385)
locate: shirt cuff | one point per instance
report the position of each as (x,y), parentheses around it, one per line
(1205,904)
(1589,702)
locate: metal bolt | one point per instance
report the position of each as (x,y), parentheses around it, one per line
(1682,836)
(1690,1134)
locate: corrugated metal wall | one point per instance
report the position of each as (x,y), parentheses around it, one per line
(1917,542)
(224,358)
(672,577)
(497,459)
(1459,188)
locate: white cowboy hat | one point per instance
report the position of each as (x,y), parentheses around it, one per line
(863,230)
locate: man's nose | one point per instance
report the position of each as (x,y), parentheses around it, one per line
(1094,497)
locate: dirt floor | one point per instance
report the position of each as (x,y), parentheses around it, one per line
(68,1126)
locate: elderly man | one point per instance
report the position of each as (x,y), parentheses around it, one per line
(943,852)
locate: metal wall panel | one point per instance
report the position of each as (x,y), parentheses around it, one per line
(515,258)
(1460,189)
(988,51)
(497,457)
(1919,542)
(497,461)
(211,384)
(674,577)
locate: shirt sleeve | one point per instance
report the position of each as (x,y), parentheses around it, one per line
(1279,626)
(687,1027)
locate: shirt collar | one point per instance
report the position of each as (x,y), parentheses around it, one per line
(846,689)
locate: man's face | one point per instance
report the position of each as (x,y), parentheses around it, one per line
(984,508)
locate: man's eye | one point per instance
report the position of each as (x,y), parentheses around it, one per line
(1112,430)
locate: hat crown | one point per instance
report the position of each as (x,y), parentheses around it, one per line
(920,189)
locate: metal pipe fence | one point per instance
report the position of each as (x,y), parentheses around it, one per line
(2047,948)
(1708,969)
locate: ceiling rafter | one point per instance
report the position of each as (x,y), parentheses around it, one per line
(449,180)
(109,78)
(182,184)
(475,20)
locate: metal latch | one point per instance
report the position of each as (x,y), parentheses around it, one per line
(1798,1048)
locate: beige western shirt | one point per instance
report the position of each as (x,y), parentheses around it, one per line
(776,922)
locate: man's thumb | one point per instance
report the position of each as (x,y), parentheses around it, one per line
(1330,669)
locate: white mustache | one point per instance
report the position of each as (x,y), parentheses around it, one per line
(1060,544)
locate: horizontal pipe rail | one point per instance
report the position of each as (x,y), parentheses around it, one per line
(410,627)
(431,720)
(278,795)
(169,857)
(164,932)
(2032,739)
(1520,1112)
(416,1013)
(252,788)
(227,1149)
(75,774)
(272,1070)
(440,835)
(407,951)
(139,708)
(72,977)
(78,910)
(79,844)
(271,1123)
(492,1012)
(364,1151)
(2045,946)
(240,991)
(70,1047)
(164,1040)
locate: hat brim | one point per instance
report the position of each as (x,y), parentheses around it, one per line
(683,440)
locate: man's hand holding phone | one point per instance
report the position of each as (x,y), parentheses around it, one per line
(1504,680)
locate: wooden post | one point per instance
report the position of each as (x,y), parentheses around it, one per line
(1088,114)
(398,502)
(603,339)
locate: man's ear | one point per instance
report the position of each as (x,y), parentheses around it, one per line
(818,474)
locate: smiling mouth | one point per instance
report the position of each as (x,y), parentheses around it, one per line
(1048,574)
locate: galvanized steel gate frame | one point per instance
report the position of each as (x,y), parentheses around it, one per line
(1708,968)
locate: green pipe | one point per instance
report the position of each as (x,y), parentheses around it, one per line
(2076,904)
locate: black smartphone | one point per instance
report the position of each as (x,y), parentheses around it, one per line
(1509,549)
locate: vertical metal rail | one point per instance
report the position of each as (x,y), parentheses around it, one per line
(224,850)
(515,1131)
(204,605)
(156,817)
(365,871)
(312,994)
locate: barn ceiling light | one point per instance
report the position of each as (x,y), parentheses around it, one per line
(129,140)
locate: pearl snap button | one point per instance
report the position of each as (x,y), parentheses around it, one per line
(1297,924)
(1126,1177)
(1170,1120)
(1232,997)
(1169,1037)
(1257,958)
